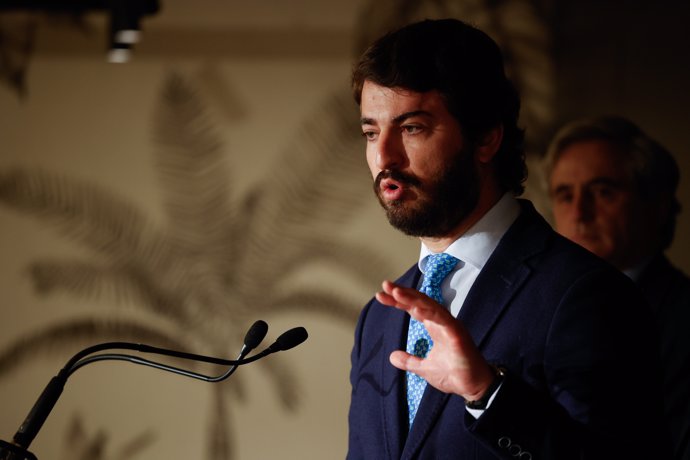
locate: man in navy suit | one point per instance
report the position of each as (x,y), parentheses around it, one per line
(534,348)
(613,191)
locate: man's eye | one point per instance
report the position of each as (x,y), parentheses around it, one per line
(412,129)
(563,197)
(369,135)
(605,192)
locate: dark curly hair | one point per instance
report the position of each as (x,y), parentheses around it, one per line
(465,66)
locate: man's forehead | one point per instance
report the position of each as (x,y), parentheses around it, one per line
(381,102)
(590,158)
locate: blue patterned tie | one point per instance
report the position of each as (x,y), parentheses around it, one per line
(418,341)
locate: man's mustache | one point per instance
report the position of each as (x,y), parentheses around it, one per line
(397,176)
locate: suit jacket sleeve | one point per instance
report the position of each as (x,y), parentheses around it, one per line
(600,394)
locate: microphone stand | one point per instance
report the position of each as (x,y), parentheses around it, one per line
(18,449)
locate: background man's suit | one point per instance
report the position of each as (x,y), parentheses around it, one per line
(667,291)
(556,318)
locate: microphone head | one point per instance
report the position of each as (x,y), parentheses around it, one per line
(255,335)
(290,339)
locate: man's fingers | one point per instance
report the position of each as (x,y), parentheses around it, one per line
(404,298)
(386,299)
(401,293)
(394,296)
(405,361)
(416,304)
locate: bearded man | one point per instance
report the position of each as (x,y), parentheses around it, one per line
(517,342)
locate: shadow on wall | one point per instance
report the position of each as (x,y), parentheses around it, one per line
(187,273)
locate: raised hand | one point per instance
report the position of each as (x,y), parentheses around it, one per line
(454,364)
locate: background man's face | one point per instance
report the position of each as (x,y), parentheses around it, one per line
(425,176)
(596,205)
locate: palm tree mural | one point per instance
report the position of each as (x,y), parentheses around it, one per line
(83,446)
(221,260)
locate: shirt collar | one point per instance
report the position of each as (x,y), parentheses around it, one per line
(476,245)
(635,272)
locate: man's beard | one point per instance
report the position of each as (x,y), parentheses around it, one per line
(442,203)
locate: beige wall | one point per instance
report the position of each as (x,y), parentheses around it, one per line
(262,70)
(92,121)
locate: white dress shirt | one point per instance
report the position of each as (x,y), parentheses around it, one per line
(472,250)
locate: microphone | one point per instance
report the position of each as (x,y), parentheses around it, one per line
(254,336)
(48,398)
(288,339)
(252,339)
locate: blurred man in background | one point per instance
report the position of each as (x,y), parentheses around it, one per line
(613,191)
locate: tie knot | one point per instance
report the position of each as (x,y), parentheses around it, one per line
(437,268)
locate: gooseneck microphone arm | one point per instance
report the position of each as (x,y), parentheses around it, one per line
(45,403)
(254,336)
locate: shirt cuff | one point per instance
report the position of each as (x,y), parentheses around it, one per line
(476,413)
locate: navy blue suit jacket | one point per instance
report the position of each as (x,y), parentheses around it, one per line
(582,367)
(667,291)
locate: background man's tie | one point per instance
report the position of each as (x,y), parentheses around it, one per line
(418,341)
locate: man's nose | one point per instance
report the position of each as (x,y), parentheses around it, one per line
(584,206)
(390,153)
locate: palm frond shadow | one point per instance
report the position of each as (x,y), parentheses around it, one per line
(186,272)
(81,445)
(80,211)
(304,206)
(53,341)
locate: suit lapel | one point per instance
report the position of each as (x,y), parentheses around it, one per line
(394,408)
(500,279)
(504,273)
(655,282)
(429,410)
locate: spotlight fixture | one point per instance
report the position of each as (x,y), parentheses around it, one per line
(125,26)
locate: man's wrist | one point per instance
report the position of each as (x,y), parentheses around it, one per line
(482,402)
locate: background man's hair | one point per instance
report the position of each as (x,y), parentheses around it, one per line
(652,169)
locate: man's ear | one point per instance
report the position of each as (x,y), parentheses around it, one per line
(488,145)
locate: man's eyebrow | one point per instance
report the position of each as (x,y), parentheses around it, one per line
(597,181)
(398,119)
(414,113)
(603,180)
(560,188)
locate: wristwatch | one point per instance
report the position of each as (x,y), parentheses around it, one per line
(482,402)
